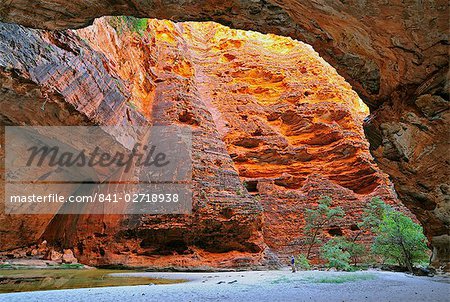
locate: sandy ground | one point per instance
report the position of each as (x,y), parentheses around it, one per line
(258,286)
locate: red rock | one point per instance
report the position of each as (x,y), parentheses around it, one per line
(359,42)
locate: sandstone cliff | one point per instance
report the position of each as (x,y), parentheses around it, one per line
(395,55)
(65,65)
(269,139)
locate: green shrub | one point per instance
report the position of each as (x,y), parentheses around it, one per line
(302,263)
(124,23)
(399,240)
(356,251)
(71,266)
(317,218)
(6,266)
(373,214)
(335,253)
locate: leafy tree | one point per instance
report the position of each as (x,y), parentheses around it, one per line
(356,250)
(301,262)
(373,214)
(340,252)
(398,239)
(372,217)
(319,217)
(334,251)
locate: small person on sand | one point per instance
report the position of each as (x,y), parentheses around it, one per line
(293,264)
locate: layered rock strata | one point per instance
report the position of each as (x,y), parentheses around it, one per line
(392,53)
(268,139)
(60,69)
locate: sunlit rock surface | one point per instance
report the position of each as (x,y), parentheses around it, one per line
(292,126)
(275,127)
(86,80)
(392,53)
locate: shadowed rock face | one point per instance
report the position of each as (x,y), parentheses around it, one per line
(377,46)
(410,141)
(394,54)
(85,89)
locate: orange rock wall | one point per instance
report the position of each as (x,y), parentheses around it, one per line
(275,127)
(394,54)
(291,125)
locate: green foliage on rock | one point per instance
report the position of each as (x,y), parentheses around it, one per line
(319,217)
(335,253)
(373,214)
(356,251)
(399,240)
(127,23)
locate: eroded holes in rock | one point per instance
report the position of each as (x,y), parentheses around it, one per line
(248,142)
(421,200)
(226,212)
(188,117)
(288,181)
(229,57)
(146,243)
(162,241)
(257,132)
(100,235)
(251,186)
(273,116)
(80,248)
(335,231)
(175,246)
(354,227)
